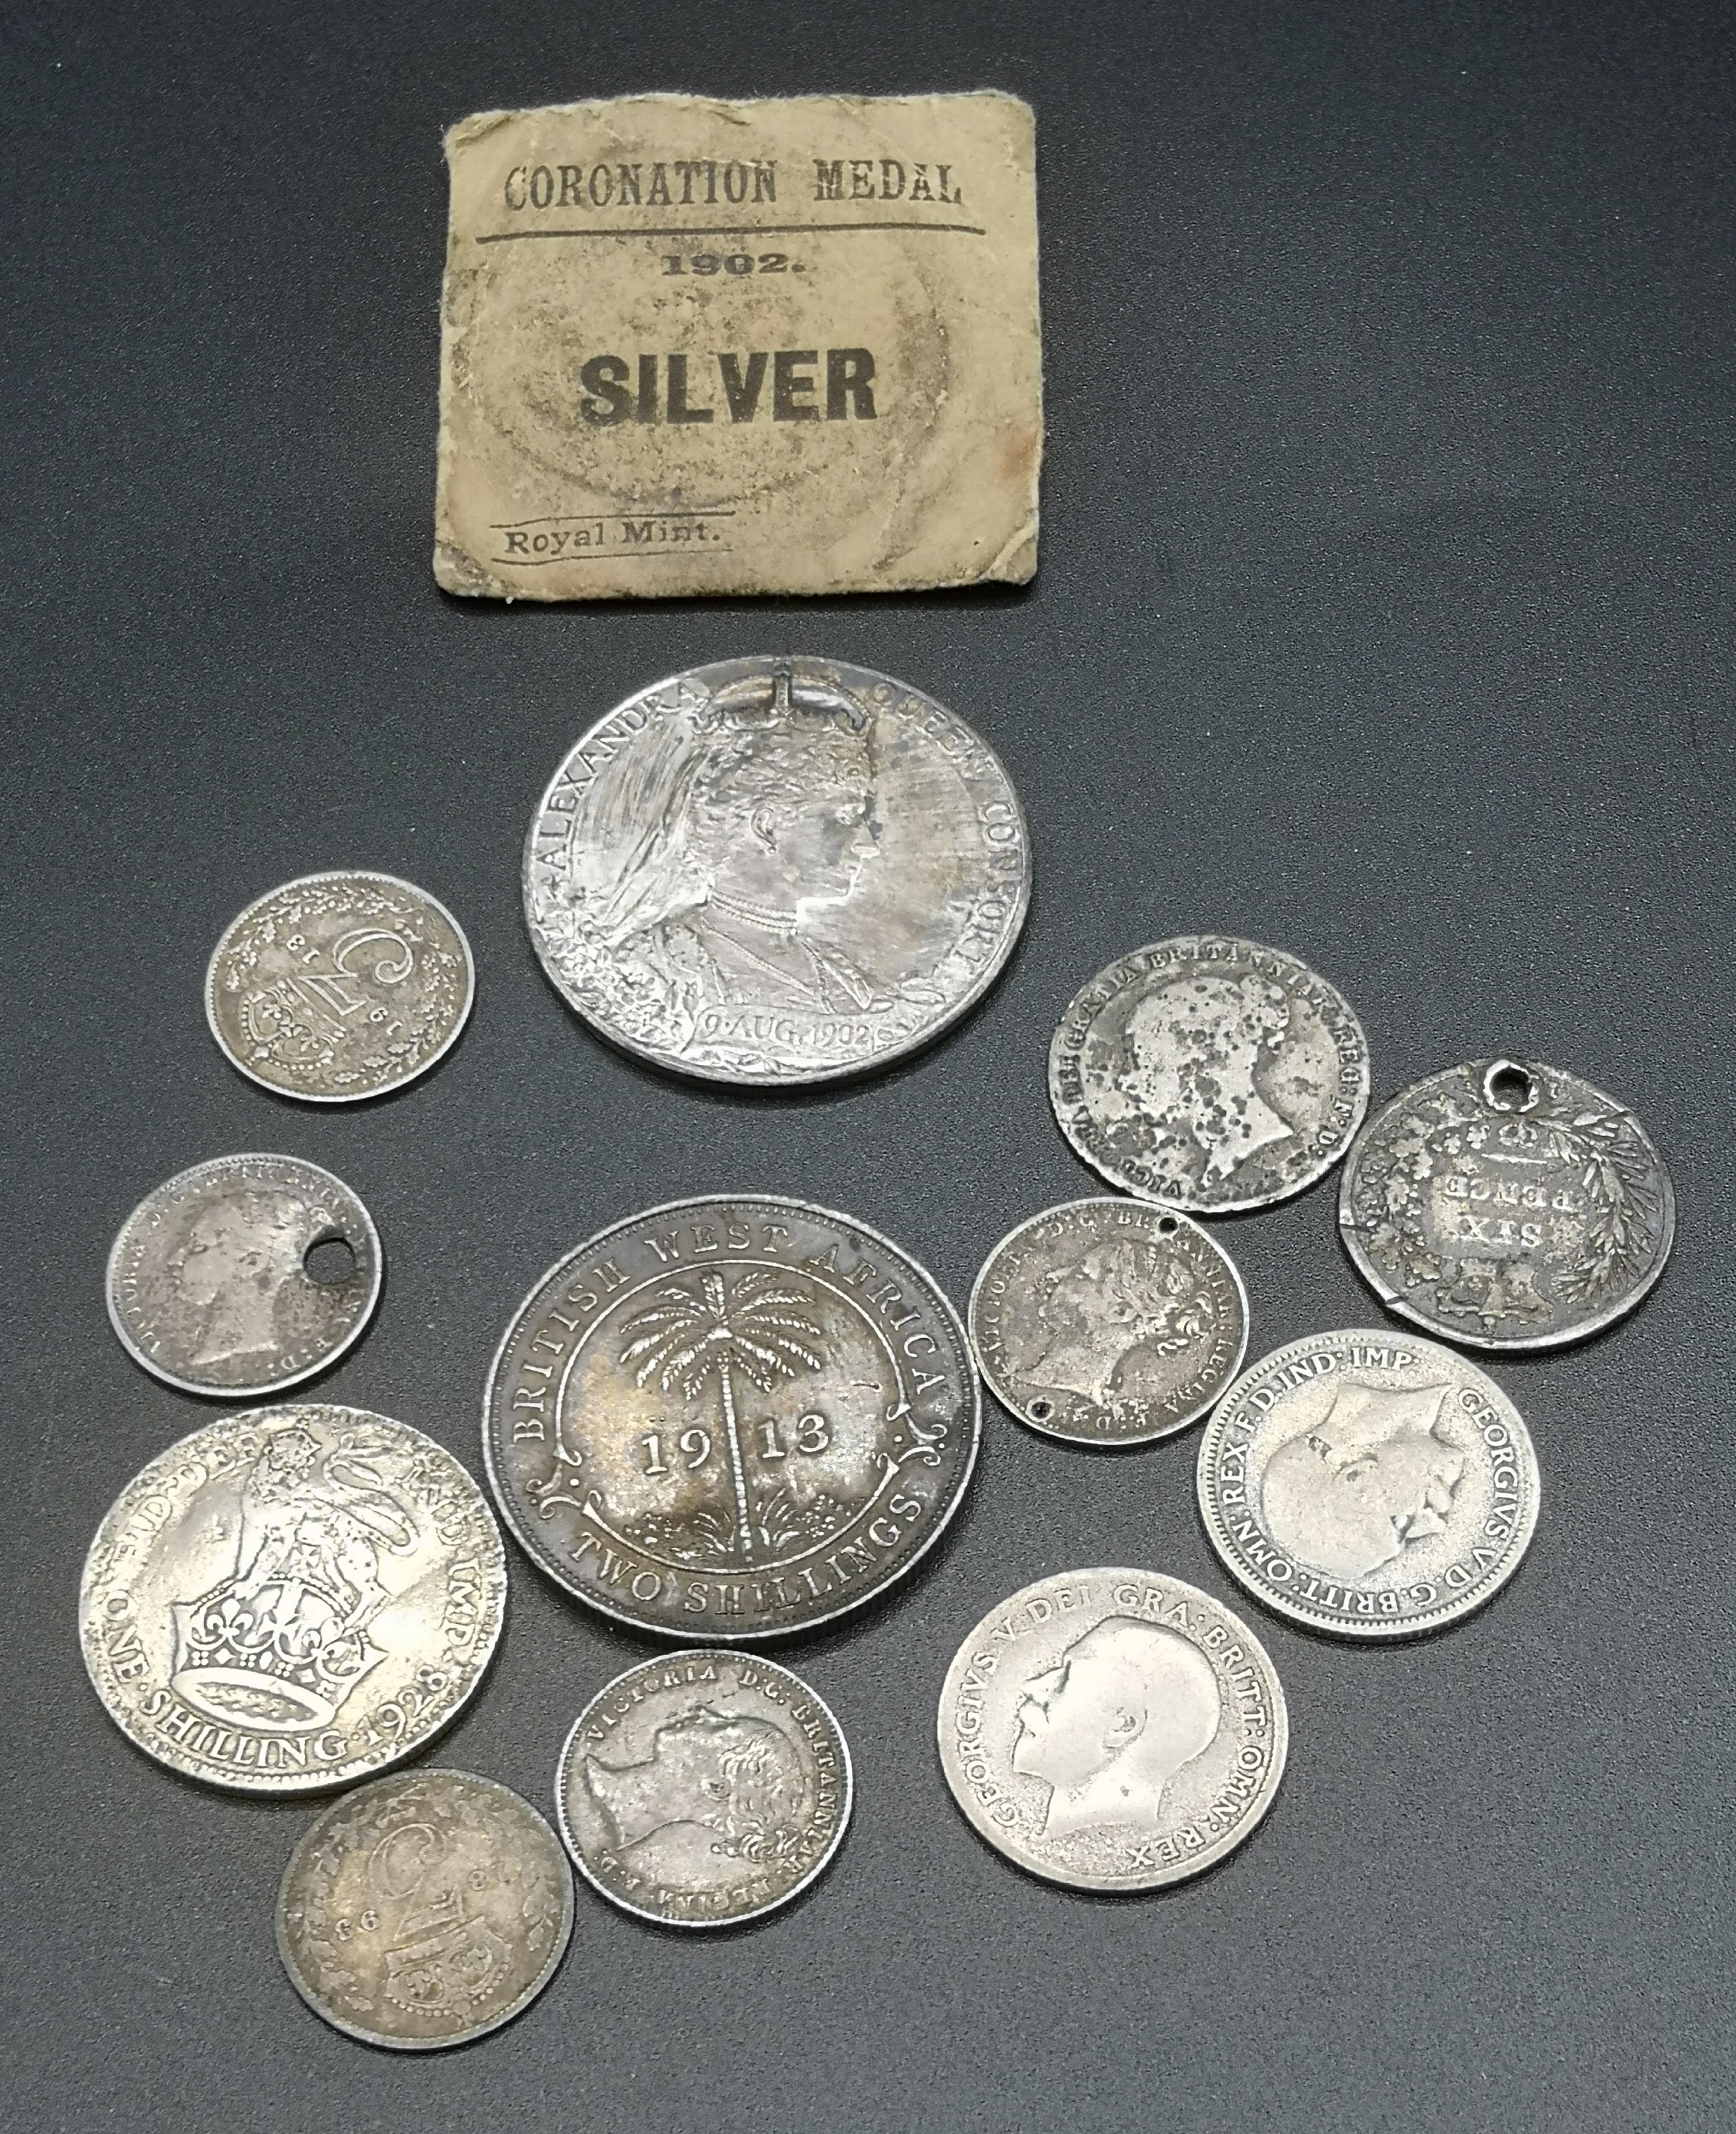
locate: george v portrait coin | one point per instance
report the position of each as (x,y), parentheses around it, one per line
(292,1598)
(1114,1730)
(218,1281)
(776,870)
(730,1418)
(425,1909)
(1368,1484)
(1108,1322)
(703,1789)
(1505,1205)
(339,986)
(1214,1074)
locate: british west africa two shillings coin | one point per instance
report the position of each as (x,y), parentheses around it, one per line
(219,1281)
(1505,1205)
(776,872)
(703,1789)
(1111,1729)
(1214,1074)
(292,1598)
(1108,1322)
(425,1909)
(730,1418)
(339,986)
(1368,1484)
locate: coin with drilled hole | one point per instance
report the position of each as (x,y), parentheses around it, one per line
(1505,1205)
(703,1789)
(244,1275)
(425,1909)
(339,986)
(1108,1322)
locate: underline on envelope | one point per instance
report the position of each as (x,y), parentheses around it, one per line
(734,230)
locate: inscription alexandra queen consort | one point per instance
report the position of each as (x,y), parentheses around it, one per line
(732,1419)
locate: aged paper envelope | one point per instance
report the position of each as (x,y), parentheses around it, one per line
(788,346)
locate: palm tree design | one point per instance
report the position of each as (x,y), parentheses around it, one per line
(763,1331)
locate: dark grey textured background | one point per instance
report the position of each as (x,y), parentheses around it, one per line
(1383,613)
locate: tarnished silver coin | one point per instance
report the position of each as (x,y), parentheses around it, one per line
(703,1789)
(218,1283)
(1211,1073)
(1108,1322)
(425,1909)
(1506,1205)
(1113,1729)
(732,1419)
(292,1598)
(776,870)
(339,986)
(1368,1484)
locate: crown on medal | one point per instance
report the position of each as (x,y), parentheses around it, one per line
(280,1655)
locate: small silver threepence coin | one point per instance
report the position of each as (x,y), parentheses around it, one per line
(703,1789)
(1112,1729)
(1506,1204)
(1211,1074)
(217,1282)
(339,986)
(292,1598)
(1108,1322)
(1368,1484)
(424,1910)
(726,1419)
(776,870)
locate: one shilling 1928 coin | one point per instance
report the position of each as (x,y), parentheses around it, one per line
(703,1789)
(1214,1074)
(732,1419)
(1108,1322)
(1112,1729)
(1506,1204)
(339,986)
(424,1910)
(1368,1484)
(776,870)
(292,1598)
(217,1280)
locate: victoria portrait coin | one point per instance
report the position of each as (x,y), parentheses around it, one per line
(1108,1322)
(1368,1484)
(1211,1073)
(732,1419)
(339,986)
(1506,1205)
(1112,1729)
(424,1910)
(703,1789)
(292,1598)
(218,1281)
(776,870)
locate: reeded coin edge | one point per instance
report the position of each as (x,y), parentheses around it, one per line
(265,1386)
(346,1096)
(710,1655)
(551,1965)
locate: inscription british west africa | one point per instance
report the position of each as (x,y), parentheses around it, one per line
(782,345)
(732,1419)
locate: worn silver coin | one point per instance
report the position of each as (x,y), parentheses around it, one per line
(1111,1729)
(776,870)
(732,1419)
(1211,1073)
(1368,1484)
(703,1789)
(424,1910)
(1108,1322)
(215,1282)
(292,1598)
(339,986)
(1506,1204)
